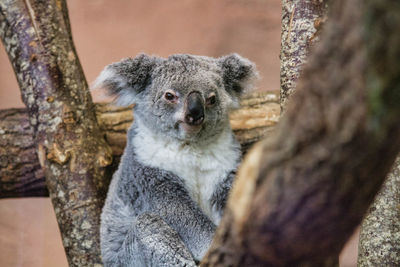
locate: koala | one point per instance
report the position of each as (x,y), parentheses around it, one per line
(168,194)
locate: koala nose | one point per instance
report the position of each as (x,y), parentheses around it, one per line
(194,109)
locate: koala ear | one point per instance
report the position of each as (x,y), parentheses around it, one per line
(127,78)
(239,74)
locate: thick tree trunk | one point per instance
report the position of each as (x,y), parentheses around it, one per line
(301,193)
(70,146)
(302,21)
(380,231)
(20,172)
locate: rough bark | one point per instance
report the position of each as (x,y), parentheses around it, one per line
(20,172)
(380,231)
(302,21)
(70,146)
(300,193)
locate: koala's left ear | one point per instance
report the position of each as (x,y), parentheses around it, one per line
(239,74)
(127,78)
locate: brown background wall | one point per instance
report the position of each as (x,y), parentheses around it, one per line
(106,31)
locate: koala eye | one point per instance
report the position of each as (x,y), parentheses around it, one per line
(211,99)
(170,96)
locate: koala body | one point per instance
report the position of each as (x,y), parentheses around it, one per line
(170,189)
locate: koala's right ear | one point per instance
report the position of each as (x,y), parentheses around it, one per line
(127,78)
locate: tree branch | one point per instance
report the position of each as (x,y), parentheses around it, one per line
(20,172)
(300,194)
(70,146)
(302,23)
(379,237)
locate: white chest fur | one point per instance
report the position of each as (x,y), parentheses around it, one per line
(201,168)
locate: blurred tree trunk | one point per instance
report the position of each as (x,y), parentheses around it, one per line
(70,147)
(301,192)
(302,24)
(22,176)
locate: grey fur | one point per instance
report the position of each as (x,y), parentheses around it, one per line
(150,217)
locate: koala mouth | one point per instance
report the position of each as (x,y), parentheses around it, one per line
(190,130)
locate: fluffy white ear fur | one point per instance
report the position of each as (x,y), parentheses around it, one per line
(248,83)
(109,78)
(239,74)
(105,75)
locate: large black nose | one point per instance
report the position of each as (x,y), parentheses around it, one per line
(194,113)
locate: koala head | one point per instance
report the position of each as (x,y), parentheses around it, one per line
(184,97)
